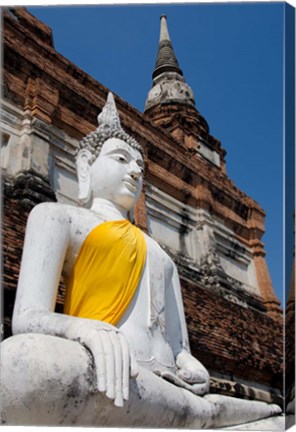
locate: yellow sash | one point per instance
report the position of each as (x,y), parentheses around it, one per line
(107,272)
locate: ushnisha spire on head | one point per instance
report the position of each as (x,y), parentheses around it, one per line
(109,126)
(109,117)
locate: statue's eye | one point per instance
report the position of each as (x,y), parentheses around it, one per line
(121,158)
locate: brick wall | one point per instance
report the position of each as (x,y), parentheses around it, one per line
(241,342)
(14,218)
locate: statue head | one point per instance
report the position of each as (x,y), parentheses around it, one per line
(110,163)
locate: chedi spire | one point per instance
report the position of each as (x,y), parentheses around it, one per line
(166,59)
(168,82)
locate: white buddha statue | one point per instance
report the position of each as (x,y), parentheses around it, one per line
(119,355)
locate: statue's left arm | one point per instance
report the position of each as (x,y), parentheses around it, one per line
(191,374)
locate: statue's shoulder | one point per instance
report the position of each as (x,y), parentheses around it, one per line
(60,212)
(56,212)
(158,252)
(51,208)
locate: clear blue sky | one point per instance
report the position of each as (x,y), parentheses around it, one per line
(231,56)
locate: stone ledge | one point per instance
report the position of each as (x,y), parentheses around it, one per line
(235,389)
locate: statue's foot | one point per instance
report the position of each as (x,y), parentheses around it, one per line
(234,411)
(48,380)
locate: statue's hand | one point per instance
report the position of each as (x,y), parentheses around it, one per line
(114,364)
(191,374)
(191,371)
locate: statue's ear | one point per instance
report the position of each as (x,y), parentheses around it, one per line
(83,172)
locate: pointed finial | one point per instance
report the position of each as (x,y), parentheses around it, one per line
(166,60)
(109,117)
(164,33)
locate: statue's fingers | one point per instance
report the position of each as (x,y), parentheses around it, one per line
(125,366)
(200,389)
(110,364)
(118,369)
(99,358)
(198,376)
(185,375)
(172,378)
(134,369)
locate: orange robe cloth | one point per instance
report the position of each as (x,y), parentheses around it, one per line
(107,272)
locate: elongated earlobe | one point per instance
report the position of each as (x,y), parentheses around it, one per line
(83,172)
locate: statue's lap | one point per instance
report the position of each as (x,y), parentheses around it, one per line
(51,381)
(48,380)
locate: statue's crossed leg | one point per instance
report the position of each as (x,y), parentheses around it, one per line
(48,380)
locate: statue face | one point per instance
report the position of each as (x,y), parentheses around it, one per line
(117,173)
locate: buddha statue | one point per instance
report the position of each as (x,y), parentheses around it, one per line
(119,354)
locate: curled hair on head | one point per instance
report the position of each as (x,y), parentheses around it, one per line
(109,127)
(94,141)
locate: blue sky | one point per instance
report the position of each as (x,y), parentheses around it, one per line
(231,56)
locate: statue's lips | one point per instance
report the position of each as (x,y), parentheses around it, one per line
(131,185)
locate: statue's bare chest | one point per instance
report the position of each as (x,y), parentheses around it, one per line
(82,223)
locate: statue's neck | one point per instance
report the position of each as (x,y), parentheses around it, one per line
(108,210)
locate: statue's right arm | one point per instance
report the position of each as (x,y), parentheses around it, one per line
(46,242)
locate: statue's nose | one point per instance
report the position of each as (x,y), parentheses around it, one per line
(135,171)
(135,176)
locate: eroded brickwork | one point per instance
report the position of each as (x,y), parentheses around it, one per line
(14,218)
(240,338)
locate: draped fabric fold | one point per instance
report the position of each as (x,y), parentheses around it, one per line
(107,272)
